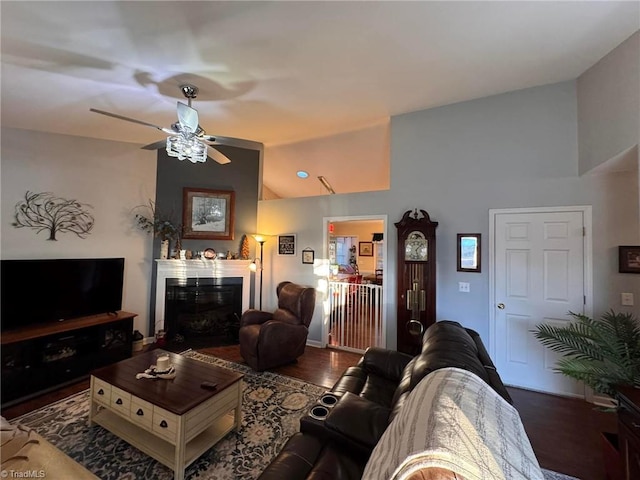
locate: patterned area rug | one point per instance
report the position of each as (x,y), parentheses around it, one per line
(272,407)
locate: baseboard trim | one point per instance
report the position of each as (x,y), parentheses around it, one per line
(315,343)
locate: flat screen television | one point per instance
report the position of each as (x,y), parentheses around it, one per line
(40,291)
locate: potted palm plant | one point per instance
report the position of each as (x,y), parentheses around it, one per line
(602,353)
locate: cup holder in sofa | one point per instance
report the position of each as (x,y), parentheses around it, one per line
(328,400)
(319,412)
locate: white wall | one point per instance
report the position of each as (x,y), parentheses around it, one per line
(112,177)
(609,105)
(518,149)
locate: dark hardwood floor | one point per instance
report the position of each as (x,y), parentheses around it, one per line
(564,433)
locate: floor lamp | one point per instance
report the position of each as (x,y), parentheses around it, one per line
(260,239)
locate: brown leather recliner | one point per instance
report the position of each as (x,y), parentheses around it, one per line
(268,339)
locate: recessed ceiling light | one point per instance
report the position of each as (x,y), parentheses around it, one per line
(302,174)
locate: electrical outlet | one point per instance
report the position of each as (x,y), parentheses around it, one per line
(626,299)
(464,287)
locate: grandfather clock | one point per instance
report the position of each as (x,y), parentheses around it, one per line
(416,297)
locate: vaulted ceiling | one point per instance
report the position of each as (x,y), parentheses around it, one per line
(281,72)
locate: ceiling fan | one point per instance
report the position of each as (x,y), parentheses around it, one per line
(187,140)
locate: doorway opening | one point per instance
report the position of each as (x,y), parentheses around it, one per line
(354,313)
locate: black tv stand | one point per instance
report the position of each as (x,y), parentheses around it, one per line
(43,357)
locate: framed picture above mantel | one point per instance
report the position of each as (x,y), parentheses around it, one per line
(207,214)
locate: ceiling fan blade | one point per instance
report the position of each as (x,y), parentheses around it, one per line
(231,141)
(133,120)
(155,145)
(218,156)
(188,117)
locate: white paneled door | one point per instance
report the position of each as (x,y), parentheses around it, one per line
(539,276)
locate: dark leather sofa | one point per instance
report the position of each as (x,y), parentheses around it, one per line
(369,395)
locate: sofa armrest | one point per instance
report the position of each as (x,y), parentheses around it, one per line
(389,364)
(296,459)
(254,317)
(281,336)
(357,423)
(494,378)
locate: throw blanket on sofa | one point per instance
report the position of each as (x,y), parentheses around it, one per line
(453,420)
(25,454)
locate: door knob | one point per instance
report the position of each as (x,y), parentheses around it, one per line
(501,306)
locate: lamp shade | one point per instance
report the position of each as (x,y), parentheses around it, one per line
(377,237)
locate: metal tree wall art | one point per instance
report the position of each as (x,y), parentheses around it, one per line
(44,211)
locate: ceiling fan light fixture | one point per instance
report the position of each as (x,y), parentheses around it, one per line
(173,149)
(198,152)
(186,148)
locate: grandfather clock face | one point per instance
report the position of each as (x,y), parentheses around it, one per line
(416,279)
(416,247)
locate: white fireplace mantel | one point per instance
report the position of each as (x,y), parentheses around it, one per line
(184,269)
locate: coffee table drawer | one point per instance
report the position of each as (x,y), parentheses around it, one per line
(101,391)
(141,412)
(120,401)
(165,423)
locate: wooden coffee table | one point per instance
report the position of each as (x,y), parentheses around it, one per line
(174,421)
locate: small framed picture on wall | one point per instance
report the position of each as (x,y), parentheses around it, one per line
(365,249)
(308,256)
(287,244)
(468,252)
(629,259)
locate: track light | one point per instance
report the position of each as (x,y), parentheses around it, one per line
(326,184)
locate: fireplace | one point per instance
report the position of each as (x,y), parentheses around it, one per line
(208,281)
(203,311)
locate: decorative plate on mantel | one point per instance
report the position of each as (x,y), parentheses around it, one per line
(209,254)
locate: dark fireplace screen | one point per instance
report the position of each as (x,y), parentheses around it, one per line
(203,311)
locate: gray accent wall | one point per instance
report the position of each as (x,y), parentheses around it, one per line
(241,176)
